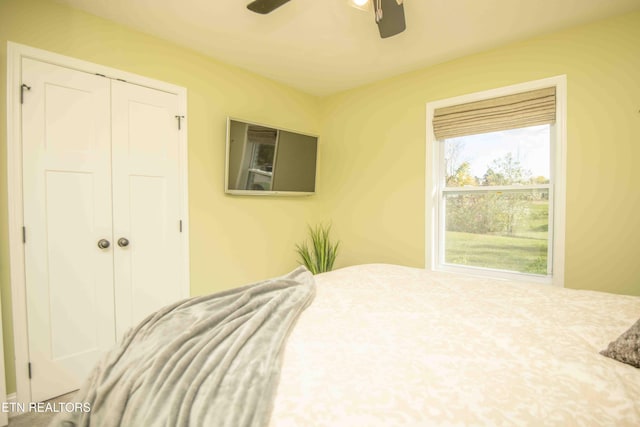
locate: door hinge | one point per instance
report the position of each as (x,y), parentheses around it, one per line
(29,367)
(24,234)
(179,120)
(181,226)
(22,88)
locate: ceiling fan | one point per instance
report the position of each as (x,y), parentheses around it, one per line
(389,14)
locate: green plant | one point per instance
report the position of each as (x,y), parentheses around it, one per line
(320,257)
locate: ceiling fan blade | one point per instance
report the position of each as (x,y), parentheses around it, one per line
(392,21)
(265,6)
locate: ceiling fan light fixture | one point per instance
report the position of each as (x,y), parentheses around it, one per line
(360,4)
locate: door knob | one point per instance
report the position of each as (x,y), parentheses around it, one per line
(103,243)
(122,242)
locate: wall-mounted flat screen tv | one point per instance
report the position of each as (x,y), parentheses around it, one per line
(264,160)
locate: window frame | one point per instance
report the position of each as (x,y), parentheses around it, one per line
(435,187)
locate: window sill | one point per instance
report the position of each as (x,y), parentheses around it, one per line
(491,273)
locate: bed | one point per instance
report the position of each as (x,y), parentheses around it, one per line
(386,345)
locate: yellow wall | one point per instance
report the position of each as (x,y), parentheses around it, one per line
(234,240)
(374,151)
(372,143)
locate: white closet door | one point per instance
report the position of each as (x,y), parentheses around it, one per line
(67,210)
(146,201)
(4,417)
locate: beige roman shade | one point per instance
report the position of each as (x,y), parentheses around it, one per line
(262,135)
(536,107)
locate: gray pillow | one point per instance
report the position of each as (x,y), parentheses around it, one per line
(626,348)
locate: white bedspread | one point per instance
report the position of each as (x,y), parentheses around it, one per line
(386,345)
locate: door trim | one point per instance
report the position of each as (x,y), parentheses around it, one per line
(15,53)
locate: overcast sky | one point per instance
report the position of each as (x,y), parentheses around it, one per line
(528,145)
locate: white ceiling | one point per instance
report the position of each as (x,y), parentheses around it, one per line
(325,46)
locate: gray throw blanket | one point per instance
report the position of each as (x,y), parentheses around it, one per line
(205,361)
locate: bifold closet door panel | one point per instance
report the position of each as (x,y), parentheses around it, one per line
(66,144)
(146,201)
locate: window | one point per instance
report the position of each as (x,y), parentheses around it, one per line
(262,143)
(495,194)
(261,167)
